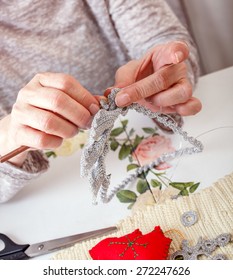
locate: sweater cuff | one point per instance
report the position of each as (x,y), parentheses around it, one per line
(13,178)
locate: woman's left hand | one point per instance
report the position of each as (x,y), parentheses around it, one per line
(159,81)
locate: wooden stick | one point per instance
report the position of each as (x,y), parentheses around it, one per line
(13,153)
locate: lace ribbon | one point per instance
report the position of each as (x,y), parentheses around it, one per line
(202,248)
(94,153)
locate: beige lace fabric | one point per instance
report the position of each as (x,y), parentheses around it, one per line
(214,208)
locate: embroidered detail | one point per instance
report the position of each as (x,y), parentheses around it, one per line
(130,245)
(189,218)
(203,247)
(93,155)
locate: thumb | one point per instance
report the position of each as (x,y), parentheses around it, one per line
(125,76)
(171,53)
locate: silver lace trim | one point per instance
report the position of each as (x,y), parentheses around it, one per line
(202,248)
(94,153)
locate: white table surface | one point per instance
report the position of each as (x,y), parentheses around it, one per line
(59,203)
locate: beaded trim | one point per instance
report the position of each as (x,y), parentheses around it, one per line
(93,155)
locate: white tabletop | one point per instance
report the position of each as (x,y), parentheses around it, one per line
(59,203)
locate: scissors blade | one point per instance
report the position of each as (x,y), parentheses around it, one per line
(60,243)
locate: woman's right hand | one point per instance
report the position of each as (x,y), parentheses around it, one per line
(50,108)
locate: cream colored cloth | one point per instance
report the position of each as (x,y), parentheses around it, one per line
(214,206)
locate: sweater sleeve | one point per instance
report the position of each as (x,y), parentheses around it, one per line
(13,179)
(150,23)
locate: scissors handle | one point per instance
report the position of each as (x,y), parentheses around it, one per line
(11,250)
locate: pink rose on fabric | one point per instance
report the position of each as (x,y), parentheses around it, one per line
(151,148)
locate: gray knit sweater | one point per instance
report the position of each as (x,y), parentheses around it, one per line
(88,39)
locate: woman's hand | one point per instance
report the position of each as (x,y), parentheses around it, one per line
(50,108)
(159,81)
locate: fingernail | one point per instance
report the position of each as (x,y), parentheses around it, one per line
(89,123)
(122,100)
(94,109)
(179,56)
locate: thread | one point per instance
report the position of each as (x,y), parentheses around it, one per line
(172,230)
(198,137)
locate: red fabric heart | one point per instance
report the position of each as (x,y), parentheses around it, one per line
(133,246)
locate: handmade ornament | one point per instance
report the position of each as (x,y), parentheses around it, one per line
(202,248)
(133,246)
(189,218)
(93,156)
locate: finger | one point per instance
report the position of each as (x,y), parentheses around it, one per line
(191,107)
(179,93)
(70,86)
(167,110)
(170,53)
(30,137)
(157,82)
(100,97)
(58,102)
(126,74)
(145,68)
(107,91)
(44,121)
(154,108)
